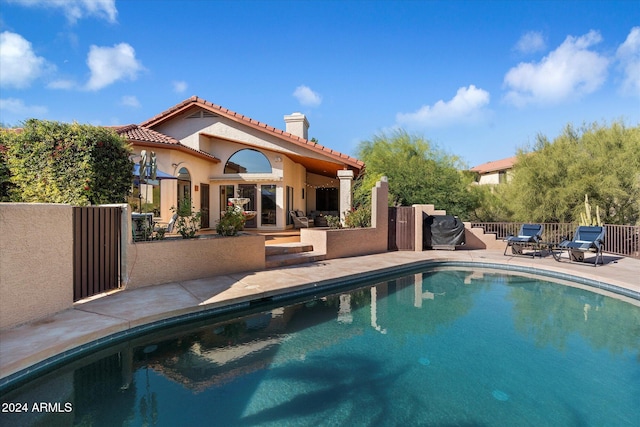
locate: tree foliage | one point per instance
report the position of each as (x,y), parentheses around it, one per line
(54,162)
(418,173)
(5,174)
(549,183)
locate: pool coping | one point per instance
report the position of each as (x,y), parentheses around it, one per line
(116,327)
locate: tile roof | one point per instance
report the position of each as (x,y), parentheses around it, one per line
(496,165)
(286,136)
(140,134)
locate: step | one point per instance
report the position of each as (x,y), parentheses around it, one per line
(287,248)
(275,261)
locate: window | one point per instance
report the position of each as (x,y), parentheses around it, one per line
(502,177)
(184,185)
(327,199)
(226,192)
(289,203)
(247,161)
(268,193)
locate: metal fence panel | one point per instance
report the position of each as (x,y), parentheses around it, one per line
(96,252)
(619,239)
(401,228)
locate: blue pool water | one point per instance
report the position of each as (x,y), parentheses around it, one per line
(447,347)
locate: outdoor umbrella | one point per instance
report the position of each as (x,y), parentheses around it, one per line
(159,174)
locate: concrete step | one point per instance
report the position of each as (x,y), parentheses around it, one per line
(275,261)
(287,248)
(489,240)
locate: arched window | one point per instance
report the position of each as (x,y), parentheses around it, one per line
(184,185)
(247,161)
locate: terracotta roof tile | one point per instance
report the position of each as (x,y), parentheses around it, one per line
(142,134)
(135,133)
(194,100)
(496,165)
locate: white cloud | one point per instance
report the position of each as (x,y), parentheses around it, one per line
(306,96)
(17,106)
(20,64)
(179,86)
(62,84)
(110,64)
(628,55)
(530,42)
(572,70)
(130,101)
(77,9)
(466,106)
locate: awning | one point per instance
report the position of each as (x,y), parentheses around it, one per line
(159,174)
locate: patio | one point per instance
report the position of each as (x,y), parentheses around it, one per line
(117,313)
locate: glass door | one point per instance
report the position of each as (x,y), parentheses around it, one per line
(268,205)
(249,191)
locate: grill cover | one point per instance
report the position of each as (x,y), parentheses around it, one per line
(442,232)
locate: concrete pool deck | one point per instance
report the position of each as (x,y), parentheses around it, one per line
(30,346)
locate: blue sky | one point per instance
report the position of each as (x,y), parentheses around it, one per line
(477,78)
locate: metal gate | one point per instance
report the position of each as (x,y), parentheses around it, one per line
(402,229)
(96,250)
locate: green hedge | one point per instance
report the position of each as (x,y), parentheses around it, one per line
(53,162)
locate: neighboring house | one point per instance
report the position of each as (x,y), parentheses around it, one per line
(216,154)
(496,172)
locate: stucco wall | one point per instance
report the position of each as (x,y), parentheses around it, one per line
(36,261)
(420,213)
(174,260)
(355,241)
(490,178)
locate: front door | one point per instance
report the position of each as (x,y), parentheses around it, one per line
(249,191)
(204,205)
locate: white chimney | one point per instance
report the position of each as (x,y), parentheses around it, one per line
(298,125)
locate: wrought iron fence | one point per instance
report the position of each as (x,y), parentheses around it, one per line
(620,239)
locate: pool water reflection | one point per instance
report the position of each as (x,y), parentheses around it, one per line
(449,347)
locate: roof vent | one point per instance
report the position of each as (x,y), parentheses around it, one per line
(200,114)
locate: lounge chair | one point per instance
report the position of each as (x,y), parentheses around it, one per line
(529,235)
(299,220)
(585,239)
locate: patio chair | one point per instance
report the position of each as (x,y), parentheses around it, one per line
(529,235)
(299,220)
(168,228)
(585,239)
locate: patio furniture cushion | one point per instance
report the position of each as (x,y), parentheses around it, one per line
(529,234)
(585,239)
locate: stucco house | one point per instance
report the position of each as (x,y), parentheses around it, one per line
(212,154)
(494,172)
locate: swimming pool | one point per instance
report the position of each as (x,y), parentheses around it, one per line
(445,347)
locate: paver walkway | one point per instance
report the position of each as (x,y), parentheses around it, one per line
(26,345)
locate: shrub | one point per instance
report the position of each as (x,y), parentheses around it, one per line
(360,217)
(5,174)
(231,222)
(188,221)
(55,162)
(333,221)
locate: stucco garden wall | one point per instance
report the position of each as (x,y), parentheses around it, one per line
(341,243)
(174,260)
(36,261)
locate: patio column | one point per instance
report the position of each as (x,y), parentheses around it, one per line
(346,179)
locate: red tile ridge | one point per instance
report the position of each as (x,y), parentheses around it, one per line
(194,100)
(495,165)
